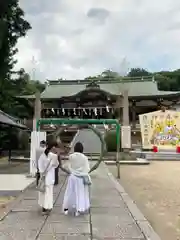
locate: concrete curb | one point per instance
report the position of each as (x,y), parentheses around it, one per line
(139,218)
(5,211)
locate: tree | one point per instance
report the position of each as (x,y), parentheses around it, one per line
(25,85)
(22,85)
(12,27)
(138,72)
(108,74)
(168,80)
(91,78)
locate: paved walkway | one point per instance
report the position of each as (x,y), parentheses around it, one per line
(110,216)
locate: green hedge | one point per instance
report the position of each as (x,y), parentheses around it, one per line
(110,139)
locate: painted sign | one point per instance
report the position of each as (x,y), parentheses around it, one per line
(161,129)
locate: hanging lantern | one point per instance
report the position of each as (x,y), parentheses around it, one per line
(155,149)
(52,125)
(107,108)
(95,111)
(47,112)
(74,111)
(58,112)
(106,127)
(58,140)
(84,110)
(100,112)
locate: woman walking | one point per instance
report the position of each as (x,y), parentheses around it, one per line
(47,163)
(76,198)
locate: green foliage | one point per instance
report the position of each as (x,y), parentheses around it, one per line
(138,72)
(110,139)
(169,81)
(8,138)
(12,27)
(21,85)
(4,139)
(26,85)
(166,80)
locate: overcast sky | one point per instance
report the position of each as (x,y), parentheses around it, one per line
(77,38)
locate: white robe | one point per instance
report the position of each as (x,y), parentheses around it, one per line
(46,199)
(76,197)
(39,152)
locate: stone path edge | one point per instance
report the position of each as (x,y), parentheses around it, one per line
(137,215)
(5,211)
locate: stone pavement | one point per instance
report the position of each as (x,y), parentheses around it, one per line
(110,217)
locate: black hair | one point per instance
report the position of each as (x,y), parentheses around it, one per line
(49,147)
(43,142)
(78,147)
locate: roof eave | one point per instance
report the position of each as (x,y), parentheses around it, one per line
(27,96)
(10,121)
(15,125)
(159,95)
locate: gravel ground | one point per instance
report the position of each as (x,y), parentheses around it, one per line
(156,190)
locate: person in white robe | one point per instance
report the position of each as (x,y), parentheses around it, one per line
(47,162)
(76,197)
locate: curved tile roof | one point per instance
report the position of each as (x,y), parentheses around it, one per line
(66,88)
(137,87)
(8,120)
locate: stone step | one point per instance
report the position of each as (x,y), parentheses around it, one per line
(128,162)
(163,156)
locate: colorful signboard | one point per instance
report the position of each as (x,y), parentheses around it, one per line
(161,129)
